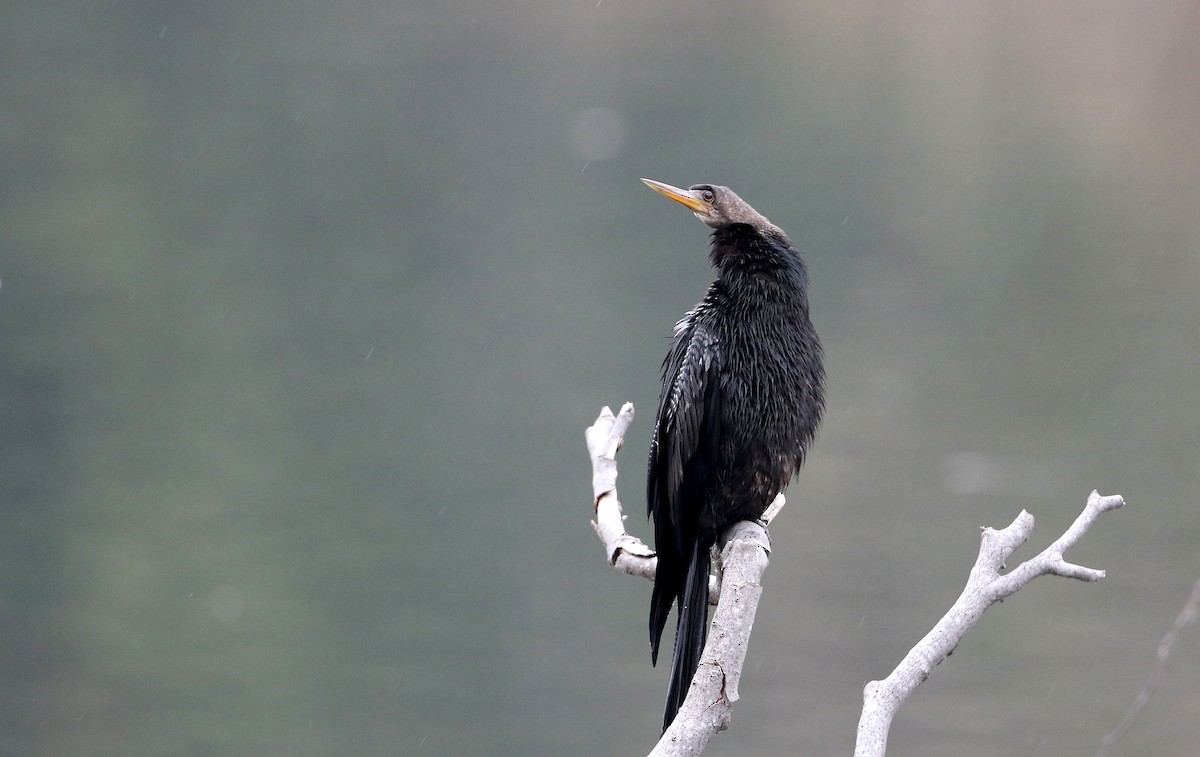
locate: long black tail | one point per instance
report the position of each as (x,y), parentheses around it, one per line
(690,631)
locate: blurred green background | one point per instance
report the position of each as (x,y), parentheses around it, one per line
(305,307)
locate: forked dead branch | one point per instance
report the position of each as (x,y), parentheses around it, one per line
(708,707)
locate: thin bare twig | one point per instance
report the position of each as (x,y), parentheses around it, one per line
(1186,616)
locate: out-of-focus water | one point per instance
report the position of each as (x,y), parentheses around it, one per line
(306,307)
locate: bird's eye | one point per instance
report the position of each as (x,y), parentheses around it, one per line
(708,195)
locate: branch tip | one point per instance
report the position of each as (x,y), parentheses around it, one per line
(984,587)
(773,508)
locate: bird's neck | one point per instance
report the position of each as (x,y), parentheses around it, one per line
(741,251)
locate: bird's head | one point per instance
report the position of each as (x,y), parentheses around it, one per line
(715,205)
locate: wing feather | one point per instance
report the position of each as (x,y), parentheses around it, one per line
(685,439)
(686,433)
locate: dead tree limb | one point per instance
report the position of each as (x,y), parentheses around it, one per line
(714,688)
(985,586)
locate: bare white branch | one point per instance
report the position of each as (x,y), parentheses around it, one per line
(773,509)
(985,586)
(708,707)
(624,551)
(709,704)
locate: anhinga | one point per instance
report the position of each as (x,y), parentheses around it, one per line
(743,391)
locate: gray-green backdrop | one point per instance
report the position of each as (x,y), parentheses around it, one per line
(305,307)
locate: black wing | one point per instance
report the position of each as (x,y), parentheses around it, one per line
(686,440)
(690,383)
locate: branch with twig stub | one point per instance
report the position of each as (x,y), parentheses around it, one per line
(624,551)
(744,558)
(714,688)
(985,586)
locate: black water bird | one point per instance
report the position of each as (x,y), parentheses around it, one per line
(743,391)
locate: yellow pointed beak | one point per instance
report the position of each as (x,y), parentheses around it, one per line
(684,197)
